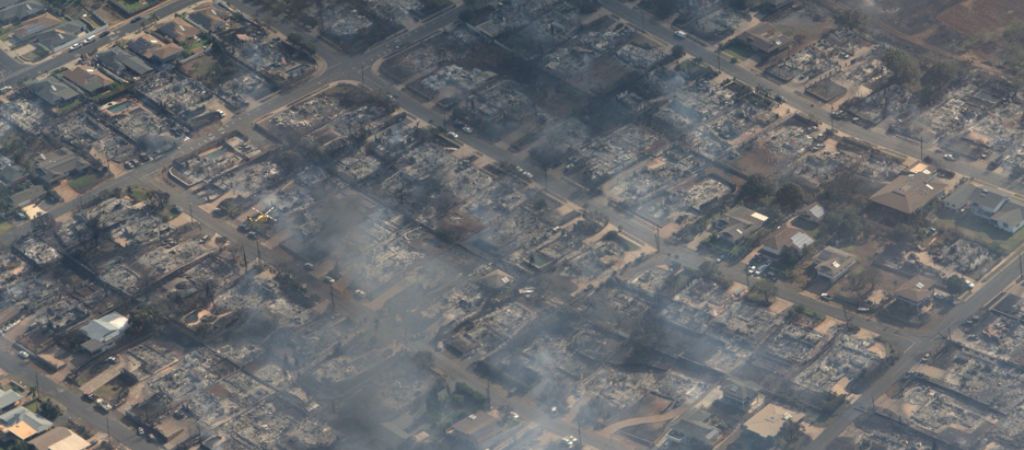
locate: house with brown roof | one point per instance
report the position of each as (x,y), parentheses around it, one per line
(60,438)
(766,39)
(178,30)
(154,50)
(909,193)
(739,223)
(88,79)
(916,292)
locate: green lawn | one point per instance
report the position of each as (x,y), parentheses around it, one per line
(979,230)
(138,194)
(132,6)
(84,182)
(194,45)
(739,51)
(32,406)
(5,227)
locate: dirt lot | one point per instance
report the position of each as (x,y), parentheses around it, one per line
(982,17)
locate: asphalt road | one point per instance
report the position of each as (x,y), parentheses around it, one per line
(14,72)
(916,342)
(809,107)
(338,66)
(70,399)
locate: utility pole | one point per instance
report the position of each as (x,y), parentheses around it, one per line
(579,432)
(259,256)
(657,238)
(1020,259)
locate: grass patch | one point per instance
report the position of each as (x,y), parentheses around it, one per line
(68,107)
(84,182)
(194,45)
(169,213)
(132,6)
(739,51)
(32,406)
(978,229)
(138,194)
(5,227)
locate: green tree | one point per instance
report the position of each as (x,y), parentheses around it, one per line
(708,270)
(763,291)
(756,188)
(50,410)
(843,225)
(743,5)
(905,68)
(957,285)
(790,197)
(851,19)
(9,442)
(789,257)
(864,279)
(938,80)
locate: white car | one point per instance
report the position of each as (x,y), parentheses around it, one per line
(453,134)
(76,45)
(680,34)
(89,39)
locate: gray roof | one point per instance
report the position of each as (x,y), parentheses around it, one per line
(61,34)
(21,11)
(1011,213)
(960,197)
(59,164)
(54,91)
(119,60)
(22,414)
(8,398)
(834,262)
(988,201)
(106,328)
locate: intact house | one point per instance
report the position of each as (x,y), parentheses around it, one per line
(54,92)
(21,12)
(123,64)
(102,333)
(917,292)
(996,209)
(88,79)
(56,165)
(9,399)
(179,31)
(739,223)
(23,423)
(787,236)
(155,51)
(11,173)
(832,263)
(60,438)
(909,193)
(813,214)
(483,429)
(765,39)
